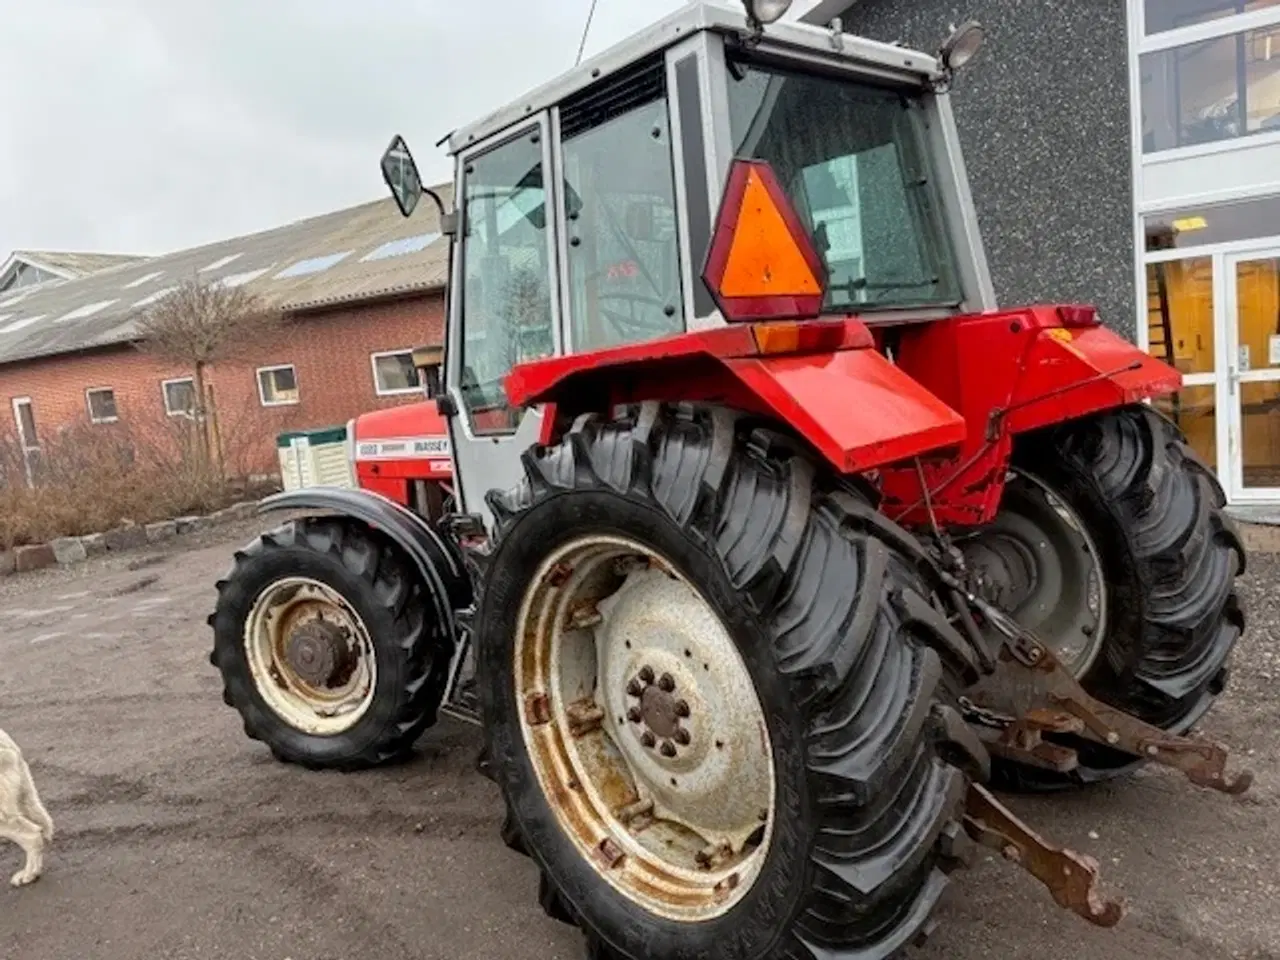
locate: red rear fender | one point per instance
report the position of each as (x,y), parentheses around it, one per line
(825,380)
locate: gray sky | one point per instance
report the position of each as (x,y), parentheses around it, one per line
(145,126)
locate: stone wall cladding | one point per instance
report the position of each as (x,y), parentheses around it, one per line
(65,551)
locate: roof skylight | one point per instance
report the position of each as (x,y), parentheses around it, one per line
(143,279)
(88,310)
(313,265)
(401,247)
(240,279)
(221,262)
(152,298)
(21,324)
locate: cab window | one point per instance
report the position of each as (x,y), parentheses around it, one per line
(507,316)
(622,246)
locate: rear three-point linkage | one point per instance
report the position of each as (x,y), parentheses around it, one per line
(1049,700)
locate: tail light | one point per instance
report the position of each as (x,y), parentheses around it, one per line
(1078,315)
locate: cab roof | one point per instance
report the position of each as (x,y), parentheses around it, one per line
(911,66)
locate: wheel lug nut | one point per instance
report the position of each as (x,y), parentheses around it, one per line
(667,683)
(646,674)
(635,688)
(648,739)
(634,714)
(682,737)
(668,748)
(682,708)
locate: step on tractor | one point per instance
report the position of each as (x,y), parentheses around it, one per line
(775,548)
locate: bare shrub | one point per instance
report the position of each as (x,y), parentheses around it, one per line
(200,325)
(93,477)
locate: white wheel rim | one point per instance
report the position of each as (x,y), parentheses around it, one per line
(644,728)
(296,628)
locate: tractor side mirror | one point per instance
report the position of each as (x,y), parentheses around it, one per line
(401,175)
(428,360)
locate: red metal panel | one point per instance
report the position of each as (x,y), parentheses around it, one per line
(1041,364)
(393,488)
(1055,363)
(855,407)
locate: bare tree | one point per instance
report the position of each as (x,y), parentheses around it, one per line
(199,325)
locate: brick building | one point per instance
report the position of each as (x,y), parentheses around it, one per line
(360,287)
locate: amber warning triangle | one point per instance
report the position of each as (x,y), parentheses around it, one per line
(761,264)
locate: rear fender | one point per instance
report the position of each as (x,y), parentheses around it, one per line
(1031,367)
(827,382)
(438,559)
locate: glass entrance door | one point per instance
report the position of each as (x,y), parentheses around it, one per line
(1252,401)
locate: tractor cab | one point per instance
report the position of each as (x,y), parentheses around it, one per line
(586,209)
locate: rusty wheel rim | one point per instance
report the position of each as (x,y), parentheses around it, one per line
(311,656)
(644,728)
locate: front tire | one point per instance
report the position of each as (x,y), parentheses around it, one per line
(325,647)
(1153,512)
(821,629)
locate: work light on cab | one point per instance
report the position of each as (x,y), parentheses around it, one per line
(765,12)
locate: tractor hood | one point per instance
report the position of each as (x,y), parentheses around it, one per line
(411,431)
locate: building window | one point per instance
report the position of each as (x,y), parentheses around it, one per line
(102,404)
(1252,219)
(1216,89)
(278,386)
(25,418)
(1163,15)
(179,396)
(394,373)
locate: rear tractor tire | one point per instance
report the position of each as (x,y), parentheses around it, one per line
(1119,499)
(325,645)
(711,700)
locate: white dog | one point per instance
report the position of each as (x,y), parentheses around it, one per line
(23,818)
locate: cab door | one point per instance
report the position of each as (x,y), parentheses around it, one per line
(504,309)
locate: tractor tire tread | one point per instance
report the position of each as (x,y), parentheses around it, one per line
(865,680)
(1173,559)
(387,582)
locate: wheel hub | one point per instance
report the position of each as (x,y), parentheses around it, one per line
(318,652)
(1002,570)
(310,655)
(1037,562)
(696,745)
(660,713)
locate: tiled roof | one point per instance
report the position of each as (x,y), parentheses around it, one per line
(361,253)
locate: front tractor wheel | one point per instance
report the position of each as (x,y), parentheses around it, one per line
(709,741)
(322,638)
(1112,545)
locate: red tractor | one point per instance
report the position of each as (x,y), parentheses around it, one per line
(774,541)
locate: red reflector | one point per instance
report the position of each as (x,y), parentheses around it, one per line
(1078,315)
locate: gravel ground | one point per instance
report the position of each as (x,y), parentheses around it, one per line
(179,838)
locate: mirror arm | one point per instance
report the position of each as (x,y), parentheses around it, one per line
(448,220)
